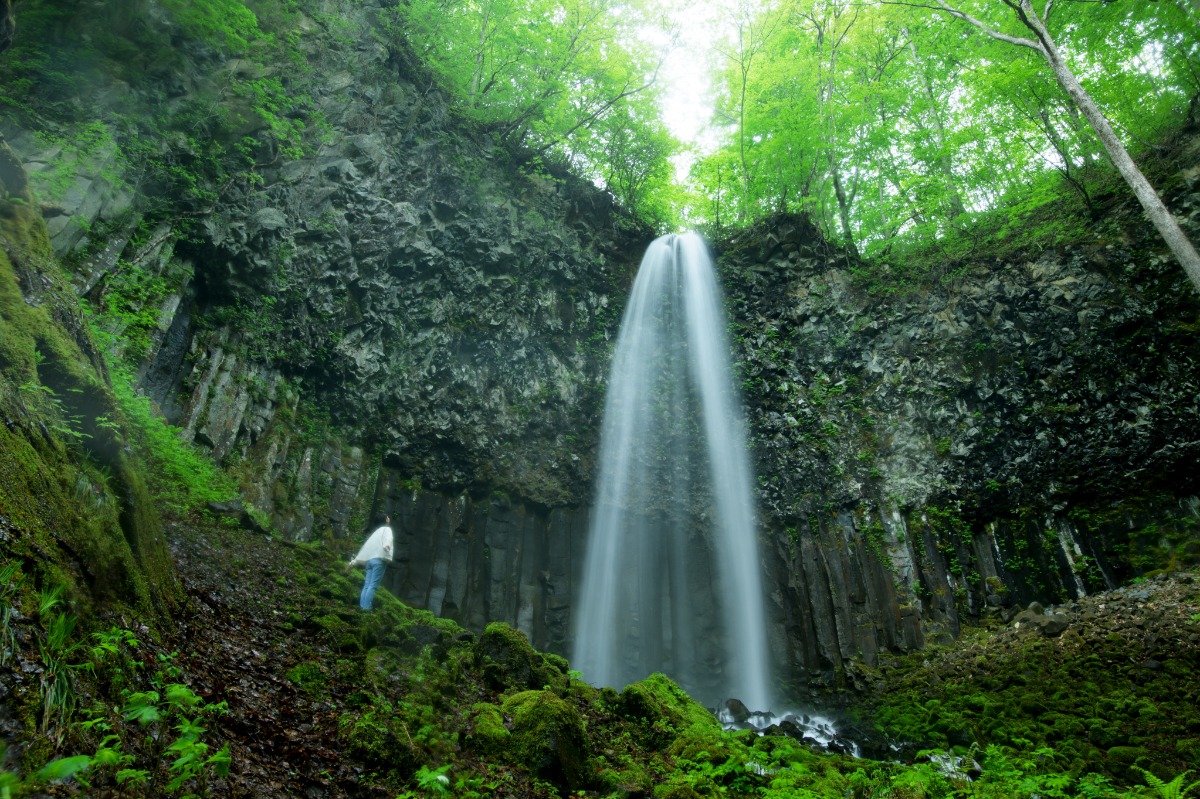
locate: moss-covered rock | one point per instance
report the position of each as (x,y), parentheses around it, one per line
(701,746)
(71,486)
(629,780)
(664,710)
(488,735)
(1122,760)
(309,678)
(687,788)
(509,662)
(548,738)
(383,667)
(375,737)
(1188,749)
(345,637)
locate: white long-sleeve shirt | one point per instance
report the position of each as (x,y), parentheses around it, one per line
(379,545)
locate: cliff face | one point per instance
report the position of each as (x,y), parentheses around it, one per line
(402,318)
(924,459)
(1022,429)
(400,293)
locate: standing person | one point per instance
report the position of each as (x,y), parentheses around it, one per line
(375,553)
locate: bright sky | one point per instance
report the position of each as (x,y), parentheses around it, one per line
(687,100)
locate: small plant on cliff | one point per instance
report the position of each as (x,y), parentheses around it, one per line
(56,649)
(183,478)
(433,781)
(169,705)
(10,584)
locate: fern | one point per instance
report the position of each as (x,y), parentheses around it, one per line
(1174,789)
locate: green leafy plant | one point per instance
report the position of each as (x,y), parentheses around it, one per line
(10,586)
(434,780)
(1175,789)
(56,651)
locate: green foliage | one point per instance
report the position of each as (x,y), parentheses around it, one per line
(179,160)
(434,780)
(184,766)
(570,81)
(896,130)
(182,477)
(224,24)
(57,651)
(11,580)
(1175,789)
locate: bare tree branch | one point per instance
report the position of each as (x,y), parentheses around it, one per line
(995,34)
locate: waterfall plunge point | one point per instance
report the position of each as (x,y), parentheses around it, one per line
(671,576)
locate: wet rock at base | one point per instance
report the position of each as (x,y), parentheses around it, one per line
(738,712)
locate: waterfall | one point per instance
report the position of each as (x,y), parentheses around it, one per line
(671,576)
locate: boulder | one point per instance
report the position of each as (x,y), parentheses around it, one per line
(547,738)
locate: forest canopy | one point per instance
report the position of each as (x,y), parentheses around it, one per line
(889,122)
(885,121)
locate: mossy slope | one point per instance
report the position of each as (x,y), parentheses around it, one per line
(74,495)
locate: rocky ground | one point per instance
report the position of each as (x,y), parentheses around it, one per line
(1109,683)
(325,701)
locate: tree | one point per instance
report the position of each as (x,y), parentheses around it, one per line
(943,158)
(1043,43)
(545,75)
(831,24)
(8,25)
(752,29)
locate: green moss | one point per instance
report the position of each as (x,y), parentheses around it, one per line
(509,662)
(1188,749)
(658,703)
(558,662)
(548,738)
(309,678)
(343,636)
(687,788)
(701,746)
(488,733)
(382,667)
(377,738)
(1089,700)
(1121,760)
(70,482)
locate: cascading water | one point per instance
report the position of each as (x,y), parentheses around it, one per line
(671,578)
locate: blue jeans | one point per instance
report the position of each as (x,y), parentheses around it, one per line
(375,567)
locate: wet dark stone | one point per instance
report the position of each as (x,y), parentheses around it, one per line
(738,712)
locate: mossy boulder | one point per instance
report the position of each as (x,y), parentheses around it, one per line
(344,636)
(663,708)
(382,667)
(687,788)
(488,735)
(630,779)
(509,662)
(371,736)
(309,678)
(700,746)
(1121,760)
(73,487)
(1189,749)
(548,738)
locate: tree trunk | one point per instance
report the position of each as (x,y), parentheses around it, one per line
(1160,216)
(477,75)
(8,25)
(944,162)
(742,145)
